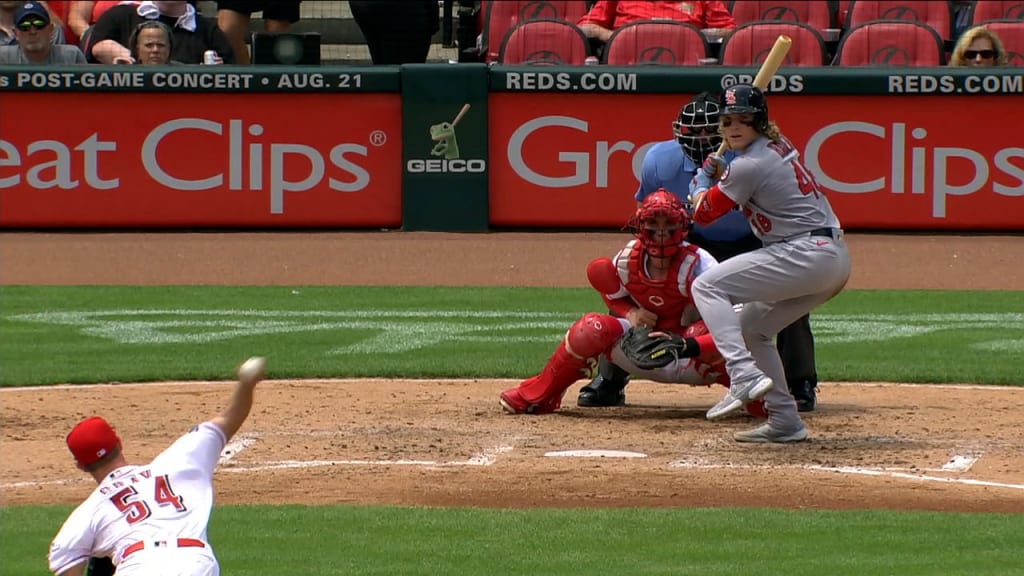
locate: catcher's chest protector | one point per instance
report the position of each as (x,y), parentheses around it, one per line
(668,298)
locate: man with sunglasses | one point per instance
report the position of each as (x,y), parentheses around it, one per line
(671,165)
(33,30)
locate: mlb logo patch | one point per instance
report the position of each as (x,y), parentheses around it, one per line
(730,97)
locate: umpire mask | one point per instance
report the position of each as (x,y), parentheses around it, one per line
(696,128)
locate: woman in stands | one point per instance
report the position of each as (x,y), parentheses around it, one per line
(979,47)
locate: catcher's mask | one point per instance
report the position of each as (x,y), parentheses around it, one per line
(696,127)
(660,223)
(746,99)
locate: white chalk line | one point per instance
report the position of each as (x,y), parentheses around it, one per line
(957,464)
(485,458)
(37,483)
(236,445)
(923,478)
(355,381)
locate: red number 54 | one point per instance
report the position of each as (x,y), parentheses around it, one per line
(136,509)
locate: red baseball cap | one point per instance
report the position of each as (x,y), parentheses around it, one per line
(92,439)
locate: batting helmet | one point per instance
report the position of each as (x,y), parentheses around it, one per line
(746,99)
(696,127)
(660,223)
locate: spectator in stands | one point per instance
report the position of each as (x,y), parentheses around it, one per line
(151,43)
(606,16)
(7,8)
(233,18)
(979,46)
(82,14)
(7,28)
(33,31)
(397,32)
(193,34)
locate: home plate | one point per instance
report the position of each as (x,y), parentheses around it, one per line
(595,454)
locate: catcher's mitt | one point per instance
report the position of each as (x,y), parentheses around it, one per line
(649,353)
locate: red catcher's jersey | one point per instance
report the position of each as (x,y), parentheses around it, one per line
(668,298)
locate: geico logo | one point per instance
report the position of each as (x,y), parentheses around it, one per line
(948,165)
(439,165)
(580,168)
(245,159)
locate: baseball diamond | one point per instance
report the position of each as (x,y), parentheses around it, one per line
(445,442)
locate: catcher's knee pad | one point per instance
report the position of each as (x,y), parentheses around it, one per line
(592,334)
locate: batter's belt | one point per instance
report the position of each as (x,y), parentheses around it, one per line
(833,233)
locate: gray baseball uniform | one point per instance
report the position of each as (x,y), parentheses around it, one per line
(804,263)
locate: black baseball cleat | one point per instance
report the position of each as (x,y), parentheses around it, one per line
(606,389)
(806,394)
(601,393)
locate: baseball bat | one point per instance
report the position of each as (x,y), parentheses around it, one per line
(768,69)
(465,108)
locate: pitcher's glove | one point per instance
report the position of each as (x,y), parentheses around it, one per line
(100,566)
(649,353)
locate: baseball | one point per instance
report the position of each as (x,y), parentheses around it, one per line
(253,369)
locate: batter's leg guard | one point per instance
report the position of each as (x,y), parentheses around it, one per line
(607,388)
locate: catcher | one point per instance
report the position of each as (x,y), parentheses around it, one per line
(657,335)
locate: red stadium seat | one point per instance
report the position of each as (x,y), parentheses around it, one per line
(935,13)
(544,42)
(815,13)
(499,16)
(985,10)
(1011,32)
(656,42)
(750,44)
(893,43)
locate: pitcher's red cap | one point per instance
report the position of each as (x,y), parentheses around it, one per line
(92,439)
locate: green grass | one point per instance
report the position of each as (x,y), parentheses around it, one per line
(356,540)
(95,334)
(182,332)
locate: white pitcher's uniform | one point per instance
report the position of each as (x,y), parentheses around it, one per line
(151,520)
(804,263)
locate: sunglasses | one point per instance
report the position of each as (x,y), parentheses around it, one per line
(32,25)
(985,54)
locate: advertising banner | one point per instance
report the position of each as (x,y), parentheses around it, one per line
(444,128)
(181,160)
(884,162)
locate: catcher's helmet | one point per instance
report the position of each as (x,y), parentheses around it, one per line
(746,99)
(660,239)
(696,127)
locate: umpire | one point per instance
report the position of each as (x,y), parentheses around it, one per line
(671,165)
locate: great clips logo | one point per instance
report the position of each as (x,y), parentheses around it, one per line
(915,166)
(244,157)
(568,161)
